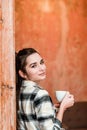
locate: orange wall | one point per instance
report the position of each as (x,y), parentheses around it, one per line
(58,29)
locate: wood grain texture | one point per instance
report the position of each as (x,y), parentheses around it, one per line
(7,67)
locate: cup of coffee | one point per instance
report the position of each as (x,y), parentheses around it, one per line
(60,95)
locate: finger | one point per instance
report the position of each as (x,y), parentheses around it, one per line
(71,96)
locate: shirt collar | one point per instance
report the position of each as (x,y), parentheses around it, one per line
(28,83)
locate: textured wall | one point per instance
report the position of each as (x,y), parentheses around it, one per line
(58,29)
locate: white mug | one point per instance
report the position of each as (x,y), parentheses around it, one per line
(60,95)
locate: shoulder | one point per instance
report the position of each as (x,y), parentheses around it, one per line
(41,92)
(42,96)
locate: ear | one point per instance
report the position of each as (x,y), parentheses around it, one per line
(22,74)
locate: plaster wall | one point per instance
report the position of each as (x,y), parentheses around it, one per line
(58,30)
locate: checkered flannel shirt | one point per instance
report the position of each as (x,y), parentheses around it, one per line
(36,111)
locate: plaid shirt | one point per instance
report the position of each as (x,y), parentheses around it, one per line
(36,111)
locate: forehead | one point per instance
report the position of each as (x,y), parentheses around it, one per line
(35,57)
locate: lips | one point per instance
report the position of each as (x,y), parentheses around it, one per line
(42,74)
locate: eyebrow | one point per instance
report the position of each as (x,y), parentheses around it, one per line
(34,63)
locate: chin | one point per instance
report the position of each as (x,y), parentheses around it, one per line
(42,78)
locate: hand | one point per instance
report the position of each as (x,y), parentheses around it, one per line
(56,106)
(67,102)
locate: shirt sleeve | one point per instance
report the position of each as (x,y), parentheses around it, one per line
(45,112)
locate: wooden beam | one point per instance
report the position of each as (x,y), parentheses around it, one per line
(0,62)
(8,100)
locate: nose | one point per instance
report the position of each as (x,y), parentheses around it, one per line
(42,67)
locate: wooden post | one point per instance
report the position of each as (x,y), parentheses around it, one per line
(0,62)
(7,68)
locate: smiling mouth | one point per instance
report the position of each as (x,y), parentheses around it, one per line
(42,74)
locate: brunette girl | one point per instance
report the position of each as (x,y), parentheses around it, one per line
(35,107)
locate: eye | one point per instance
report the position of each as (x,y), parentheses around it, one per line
(33,66)
(42,61)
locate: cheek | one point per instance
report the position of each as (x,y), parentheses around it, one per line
(32,73)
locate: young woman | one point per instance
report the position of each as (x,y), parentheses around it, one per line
(35,108)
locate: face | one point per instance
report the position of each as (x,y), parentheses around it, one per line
(35,68)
